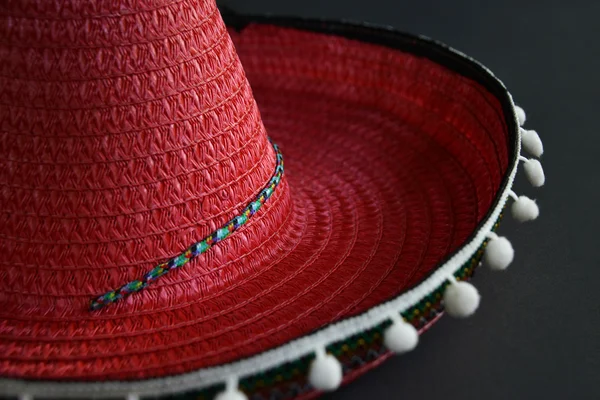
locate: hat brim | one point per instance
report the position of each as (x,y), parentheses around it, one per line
(399,157)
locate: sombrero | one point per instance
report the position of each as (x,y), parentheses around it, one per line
(264,210)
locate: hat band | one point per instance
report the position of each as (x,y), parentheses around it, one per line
(197,248)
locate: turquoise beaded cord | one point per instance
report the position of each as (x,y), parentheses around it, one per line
(199,247)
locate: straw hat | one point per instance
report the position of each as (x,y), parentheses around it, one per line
(264,211)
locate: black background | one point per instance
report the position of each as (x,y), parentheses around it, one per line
(537,331)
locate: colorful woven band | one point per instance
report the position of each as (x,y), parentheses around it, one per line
(197,248)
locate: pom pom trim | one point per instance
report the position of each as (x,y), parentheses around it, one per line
(499,253)
(461,299)
(401,336)
(534,171)
(521,116)
(325,372)
(531,142)
(523,208)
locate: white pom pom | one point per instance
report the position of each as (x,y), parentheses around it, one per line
(231,394)
(531,142)
(535,173)
(400,337)
(525,209)
(499,253)
(325,372)
(521,117)
(461,299)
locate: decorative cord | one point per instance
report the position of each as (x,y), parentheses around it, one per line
(197,248)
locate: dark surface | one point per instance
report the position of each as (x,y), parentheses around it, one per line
(537,332)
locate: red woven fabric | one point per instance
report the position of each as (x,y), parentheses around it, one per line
(128,131)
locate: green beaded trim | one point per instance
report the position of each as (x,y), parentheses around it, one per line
(198,248)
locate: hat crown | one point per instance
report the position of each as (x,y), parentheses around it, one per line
(128,131)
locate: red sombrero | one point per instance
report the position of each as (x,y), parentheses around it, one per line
(161,238)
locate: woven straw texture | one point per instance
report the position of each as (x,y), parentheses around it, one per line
(128,131)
